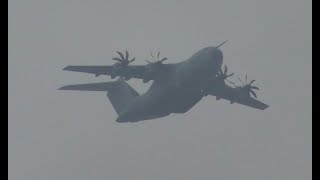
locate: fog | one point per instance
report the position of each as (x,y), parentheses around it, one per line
(73,135)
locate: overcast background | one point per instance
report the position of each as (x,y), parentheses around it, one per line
(73,135)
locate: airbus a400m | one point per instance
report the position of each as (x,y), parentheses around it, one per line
(176,87)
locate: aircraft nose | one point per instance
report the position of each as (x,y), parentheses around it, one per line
(218,57)
(218,53)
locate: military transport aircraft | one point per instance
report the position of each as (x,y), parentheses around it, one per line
(176,88)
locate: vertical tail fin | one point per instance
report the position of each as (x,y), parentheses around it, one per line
(120,95)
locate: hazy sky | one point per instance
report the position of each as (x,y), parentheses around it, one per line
(73,135)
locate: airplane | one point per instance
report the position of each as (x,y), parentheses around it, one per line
(176,87)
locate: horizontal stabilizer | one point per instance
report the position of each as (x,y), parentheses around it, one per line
(104,86)
(119,92)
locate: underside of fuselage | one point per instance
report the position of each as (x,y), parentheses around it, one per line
(159,104)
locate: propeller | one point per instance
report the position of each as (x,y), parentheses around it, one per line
(151,66)
(223,74)
(156,61)
(248,87)
(123,60)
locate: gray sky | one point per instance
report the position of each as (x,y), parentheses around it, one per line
(72,135)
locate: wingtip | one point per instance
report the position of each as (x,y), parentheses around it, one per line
(64,88)
(65,68)
(265,107)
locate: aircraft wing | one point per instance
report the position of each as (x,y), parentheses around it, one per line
(231,95)
(146,72)
(136,71)
(254,103)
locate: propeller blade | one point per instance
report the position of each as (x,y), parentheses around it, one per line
(230,75)
(117,59)
(231,82)
(158,55)
(254,87)
(253,93)
(241,81)
(225,69)
(246,79)
(120,54)
(152,57)
(251,82)
(132,60)
(127,55)
(149,62)
(163,59)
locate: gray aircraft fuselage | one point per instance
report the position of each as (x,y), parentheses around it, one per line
(180,92)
